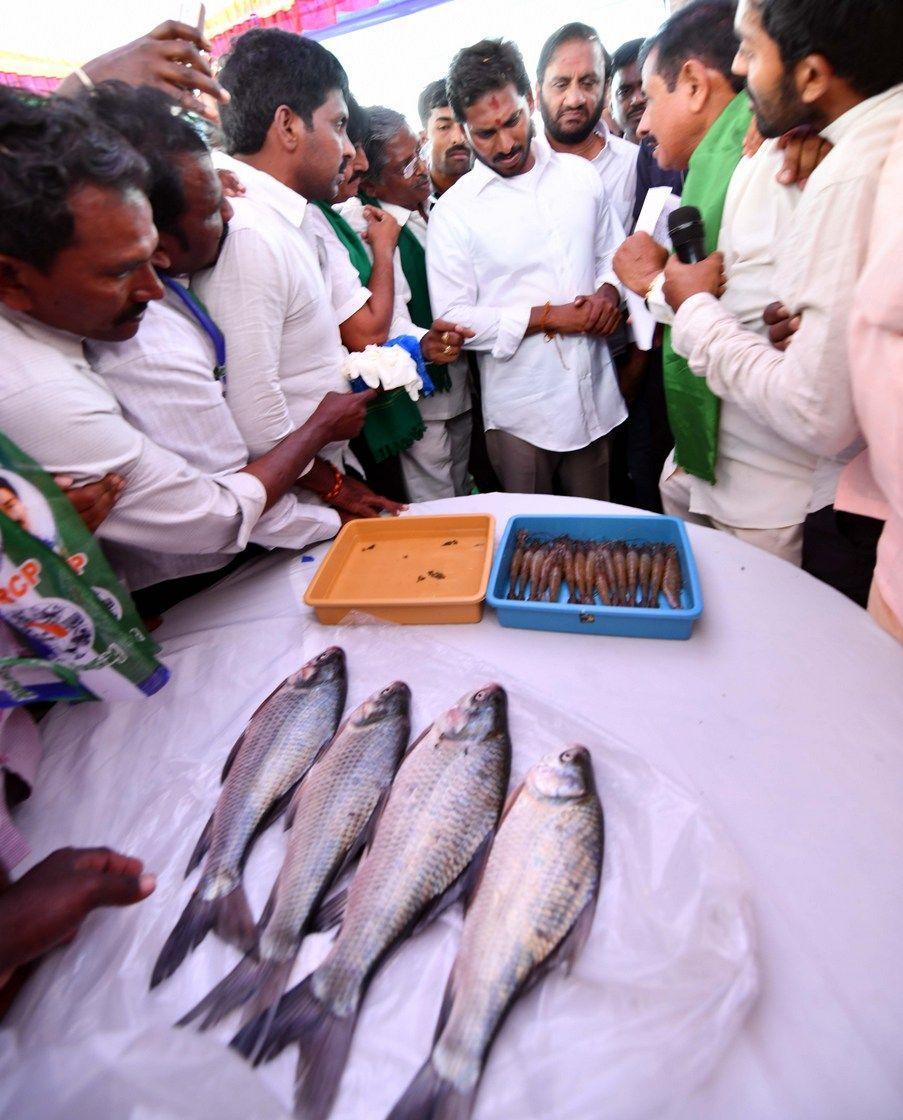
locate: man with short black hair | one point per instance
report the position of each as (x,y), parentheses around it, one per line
(518,249)
(571,80)
(171,377)
(448,153)
(838,67)
(285,130)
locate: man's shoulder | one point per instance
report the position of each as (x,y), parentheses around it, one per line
(28,356)
(575,168)
(623,150)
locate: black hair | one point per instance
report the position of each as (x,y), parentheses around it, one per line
(570,33)
(435,96)
(384,124)
(157,128)
(5,484)
(862,39)
(626,55)
(358,122)
(48,149)
(704,29)
(488,65)
(266,68)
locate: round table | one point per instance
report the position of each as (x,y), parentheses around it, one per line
(783,712)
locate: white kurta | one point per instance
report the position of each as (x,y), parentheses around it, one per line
(499,247)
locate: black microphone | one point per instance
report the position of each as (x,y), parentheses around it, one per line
(687,232)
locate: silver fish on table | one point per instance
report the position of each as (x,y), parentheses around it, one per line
(279,745)
(331,813)
(430,843)
(528,913)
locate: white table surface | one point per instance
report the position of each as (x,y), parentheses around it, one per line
(783,712)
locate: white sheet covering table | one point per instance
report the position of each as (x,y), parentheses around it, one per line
(784,713)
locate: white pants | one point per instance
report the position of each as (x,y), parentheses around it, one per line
(785,542)
(436,465)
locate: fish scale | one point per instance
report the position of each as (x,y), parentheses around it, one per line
(538,889)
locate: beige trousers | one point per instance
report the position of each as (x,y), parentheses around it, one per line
(525,469)
(786,542)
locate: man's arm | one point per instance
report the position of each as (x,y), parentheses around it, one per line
(370,324)
(249,296)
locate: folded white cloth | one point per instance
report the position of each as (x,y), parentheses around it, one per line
(387,367)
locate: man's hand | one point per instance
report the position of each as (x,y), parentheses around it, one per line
(442,343)
(804,149)
(230,182)
(638,261)
(753,140)
(46,907)
(357,500)
(603,310)
(382,231)
(782,326)
(94,501)
(169,58)
(342,414)
(685,280)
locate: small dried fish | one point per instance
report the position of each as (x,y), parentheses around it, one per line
(516,561)
(671,583)
(579,574)
(539,557)
(619,557)
(645,574)
(633,575)
(567,563)
(656,576)
(603,587)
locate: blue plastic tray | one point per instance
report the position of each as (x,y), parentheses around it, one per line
(574,618)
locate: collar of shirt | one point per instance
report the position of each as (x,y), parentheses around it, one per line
(484,176)
(849,122)
(260,186)
(400,213)
(69,345)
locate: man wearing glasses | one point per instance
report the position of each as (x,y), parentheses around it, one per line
(398,181)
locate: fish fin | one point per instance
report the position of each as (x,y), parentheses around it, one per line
(572,945)
(448,999)
(430,1097)
(232,755)
(273,813)
(331,912)
(292,808)
(234,922)
(463,887)
(249,979)
(321,1062)
(509,803)
(201,848)
(197,920)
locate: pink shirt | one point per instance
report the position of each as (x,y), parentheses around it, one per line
(873,483)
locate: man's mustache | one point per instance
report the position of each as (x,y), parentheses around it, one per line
(508,155)
(131,313)
(458,149)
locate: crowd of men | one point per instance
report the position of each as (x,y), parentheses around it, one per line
(178,305)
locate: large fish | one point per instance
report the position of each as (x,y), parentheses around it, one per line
(331,812)
(534,907)
(430,841)
(278,747)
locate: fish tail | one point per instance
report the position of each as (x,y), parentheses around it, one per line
(228,914)
(430,1097)
(249,980)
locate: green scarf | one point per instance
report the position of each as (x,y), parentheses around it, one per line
(693,409)
(393,420)
(413,265)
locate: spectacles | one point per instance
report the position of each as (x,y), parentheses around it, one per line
(407,172)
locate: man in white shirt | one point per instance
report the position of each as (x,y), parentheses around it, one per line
(570,92)
(398,182)
(837,67)
(520,249)
(447,153)
(76,252)
(286,127)
(169,379)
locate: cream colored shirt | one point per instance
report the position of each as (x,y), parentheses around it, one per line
(763,480)
(804,393)
(163,381)
(62,414)
(268,295)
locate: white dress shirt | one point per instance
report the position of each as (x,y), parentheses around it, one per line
(763,480)
(62,414)
(804,394)
(499,247)
(268,295)
(343,281)
(440,406)
(163,380)
(615,165)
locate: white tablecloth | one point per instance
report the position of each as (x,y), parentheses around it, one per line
(784,713)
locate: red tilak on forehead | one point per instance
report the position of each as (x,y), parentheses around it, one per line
(494,102)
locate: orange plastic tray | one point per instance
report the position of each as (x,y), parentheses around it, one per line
(415,570)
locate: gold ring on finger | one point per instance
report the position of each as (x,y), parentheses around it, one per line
(447,350)
(445,337)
